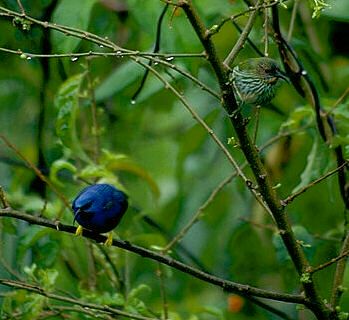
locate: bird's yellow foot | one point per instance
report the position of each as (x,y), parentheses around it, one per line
(109,240)
(79,231)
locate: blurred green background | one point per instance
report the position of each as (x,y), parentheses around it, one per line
(164,160)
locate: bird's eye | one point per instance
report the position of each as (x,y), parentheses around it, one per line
(271,70)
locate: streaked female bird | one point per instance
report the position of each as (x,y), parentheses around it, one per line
(255,80)
(99,208)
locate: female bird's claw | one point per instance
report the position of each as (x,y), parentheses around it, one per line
(109,240)
(79,231)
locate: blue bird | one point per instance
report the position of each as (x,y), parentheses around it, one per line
(99,208)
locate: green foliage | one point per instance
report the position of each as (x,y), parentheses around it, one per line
(318,6)
(73,14)
(67,103)
(163,159)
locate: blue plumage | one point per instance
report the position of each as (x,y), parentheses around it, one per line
(99,207)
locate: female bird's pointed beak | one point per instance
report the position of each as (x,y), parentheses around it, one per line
(283,75)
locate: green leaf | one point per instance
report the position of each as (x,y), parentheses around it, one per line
(48,278)
(118,80)
(214,311)
(317,163)
(92,172)
(73,14)
(115,162)
(337,10)
(67,103)
(135,292)
(301,116)
(56,167)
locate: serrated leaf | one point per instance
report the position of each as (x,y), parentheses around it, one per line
(317,162)
(73,14)
(67,103)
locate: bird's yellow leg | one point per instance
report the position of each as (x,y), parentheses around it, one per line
(109,240)
(79,231)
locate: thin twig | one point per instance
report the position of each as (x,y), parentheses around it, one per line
(293,19)
(21,8)
(259,225)
(155,50)
(163,59)
(160,274)
(120,281)
(119,54)
(248,40)
(41,291)
(266,33)
(290,198)
(242,39)
(195,218)
(36,170)
(338,102)
(329,263)
(337,290)
(78,309)
(216,28)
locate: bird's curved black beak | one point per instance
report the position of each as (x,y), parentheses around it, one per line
(76,214)
(283,75)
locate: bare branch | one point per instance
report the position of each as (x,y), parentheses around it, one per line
(102,308)
(229,286)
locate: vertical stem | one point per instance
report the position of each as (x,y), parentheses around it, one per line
(256,115)
(160,274)
(339,274)
(95,126)
(91,266)
(293,18)
(3,199)
(266,26)
(21,8)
